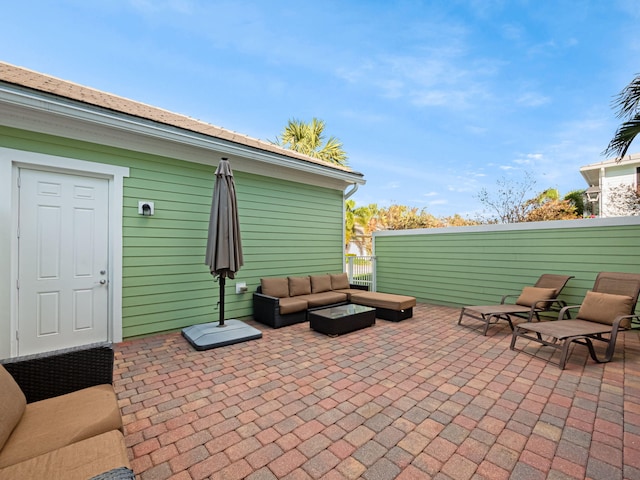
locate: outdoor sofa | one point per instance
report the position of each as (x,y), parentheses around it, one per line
(283,301)
(59,417)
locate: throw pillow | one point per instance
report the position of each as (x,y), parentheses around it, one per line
(605,307)
(530,295)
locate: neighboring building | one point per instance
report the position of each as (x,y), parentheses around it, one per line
(78,262)
(609,181)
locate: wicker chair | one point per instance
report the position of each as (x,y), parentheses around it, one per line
(605,310)
(542,297)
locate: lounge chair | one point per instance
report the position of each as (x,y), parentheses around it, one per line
(605,310)
(542,297)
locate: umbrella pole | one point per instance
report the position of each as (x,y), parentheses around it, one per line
(222,282)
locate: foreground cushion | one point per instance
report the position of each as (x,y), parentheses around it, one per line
(59,421)
(80,461)
(12,405)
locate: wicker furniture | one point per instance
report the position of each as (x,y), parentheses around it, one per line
(342,319)
(605,310)
(389,306)
(282,301)
(59,416)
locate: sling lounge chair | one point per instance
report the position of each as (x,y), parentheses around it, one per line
(605,310)
(542,297)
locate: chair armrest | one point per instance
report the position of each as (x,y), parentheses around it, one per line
(51,374)
(633,316)
(544,302)
(504,297)
(266,309)
(566,311)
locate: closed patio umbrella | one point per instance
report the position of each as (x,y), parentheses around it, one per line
(224,258)
(224,247)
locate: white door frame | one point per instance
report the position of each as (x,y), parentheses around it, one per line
(10,161)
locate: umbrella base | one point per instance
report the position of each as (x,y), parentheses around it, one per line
(210,335)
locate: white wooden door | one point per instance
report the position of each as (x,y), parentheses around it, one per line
(62,261)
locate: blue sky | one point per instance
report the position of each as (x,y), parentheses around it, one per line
(433,100)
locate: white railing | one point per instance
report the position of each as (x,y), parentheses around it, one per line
(361,270)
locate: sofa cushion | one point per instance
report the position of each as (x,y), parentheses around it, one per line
(59,421)
(299,286)
(339,281)
(605,307)
(292,305)
(320,283)
(530,295)
(275,286)
(325,298)
(389,301)
(12,405)
(80,461)
(349,291)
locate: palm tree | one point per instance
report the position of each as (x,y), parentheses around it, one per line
(628,104)
(308,138)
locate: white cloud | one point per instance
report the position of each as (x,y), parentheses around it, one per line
(532,99)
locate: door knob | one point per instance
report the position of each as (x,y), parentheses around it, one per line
(103,281)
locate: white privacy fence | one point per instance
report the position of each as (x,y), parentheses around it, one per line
(361,270)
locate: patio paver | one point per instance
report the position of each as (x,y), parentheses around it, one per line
(422,398)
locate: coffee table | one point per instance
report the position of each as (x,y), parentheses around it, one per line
(341,319)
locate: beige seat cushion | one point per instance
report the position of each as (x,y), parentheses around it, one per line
(324,298)
(605,307)
(320,283)
(80,461)
(275,287)
(292,305)
(60,421)
(12,405)
(299,286)
(389,301)
(339,281)
(349,292)
(530,295)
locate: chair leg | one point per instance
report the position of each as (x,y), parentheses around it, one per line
(565,353)
(514,336)
(461,315)
(487,321)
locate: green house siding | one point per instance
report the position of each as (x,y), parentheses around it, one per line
(474,267)
(288,228)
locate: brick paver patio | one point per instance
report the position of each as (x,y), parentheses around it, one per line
(423,398)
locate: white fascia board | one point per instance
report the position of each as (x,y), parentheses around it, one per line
(94,115)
